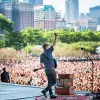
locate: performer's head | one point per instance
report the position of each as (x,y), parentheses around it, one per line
(4,69)
(46,46)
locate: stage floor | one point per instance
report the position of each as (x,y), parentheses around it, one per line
(19,92)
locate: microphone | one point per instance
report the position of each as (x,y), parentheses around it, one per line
(82,49)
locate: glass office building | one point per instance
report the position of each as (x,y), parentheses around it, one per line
(95,13)
(71,10)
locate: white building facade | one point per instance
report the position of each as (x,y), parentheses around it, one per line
(60,24)
(44,17)
(86,23)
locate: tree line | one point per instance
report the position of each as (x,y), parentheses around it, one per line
(32,36)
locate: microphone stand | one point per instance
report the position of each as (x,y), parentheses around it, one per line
(93,65)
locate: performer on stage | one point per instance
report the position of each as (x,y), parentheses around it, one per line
(47,62)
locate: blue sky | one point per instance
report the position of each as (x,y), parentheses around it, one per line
(84,4)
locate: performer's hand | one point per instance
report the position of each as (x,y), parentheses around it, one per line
(55,34)
(55,39)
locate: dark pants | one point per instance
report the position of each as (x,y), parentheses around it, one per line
(51,76)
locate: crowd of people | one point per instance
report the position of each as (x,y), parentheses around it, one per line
(22,72)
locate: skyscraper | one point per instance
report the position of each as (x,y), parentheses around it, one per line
(6,8)
(23,16)
(71,10)
(95,13)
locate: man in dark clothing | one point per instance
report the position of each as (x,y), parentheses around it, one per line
(47,62)
(5,76)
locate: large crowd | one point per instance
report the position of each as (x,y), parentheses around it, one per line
(21,72)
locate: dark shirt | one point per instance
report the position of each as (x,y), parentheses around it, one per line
(5,77)
(47,62)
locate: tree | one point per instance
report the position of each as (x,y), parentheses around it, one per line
(15,40)
(5,25)
(33,36)
(2,41)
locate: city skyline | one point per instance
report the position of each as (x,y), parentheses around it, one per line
(84,5)
(48,17)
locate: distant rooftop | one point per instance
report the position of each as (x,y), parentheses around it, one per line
(6,0)
(46,7)
(95,8)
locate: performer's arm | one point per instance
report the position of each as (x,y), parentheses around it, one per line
(55,39)
(8,78)
(41,62)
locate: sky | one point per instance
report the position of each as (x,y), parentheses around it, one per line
(83,5)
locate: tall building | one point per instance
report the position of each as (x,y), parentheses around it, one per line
(44,17)
(71,10)
(23,16)
(6,8)
(95,13)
